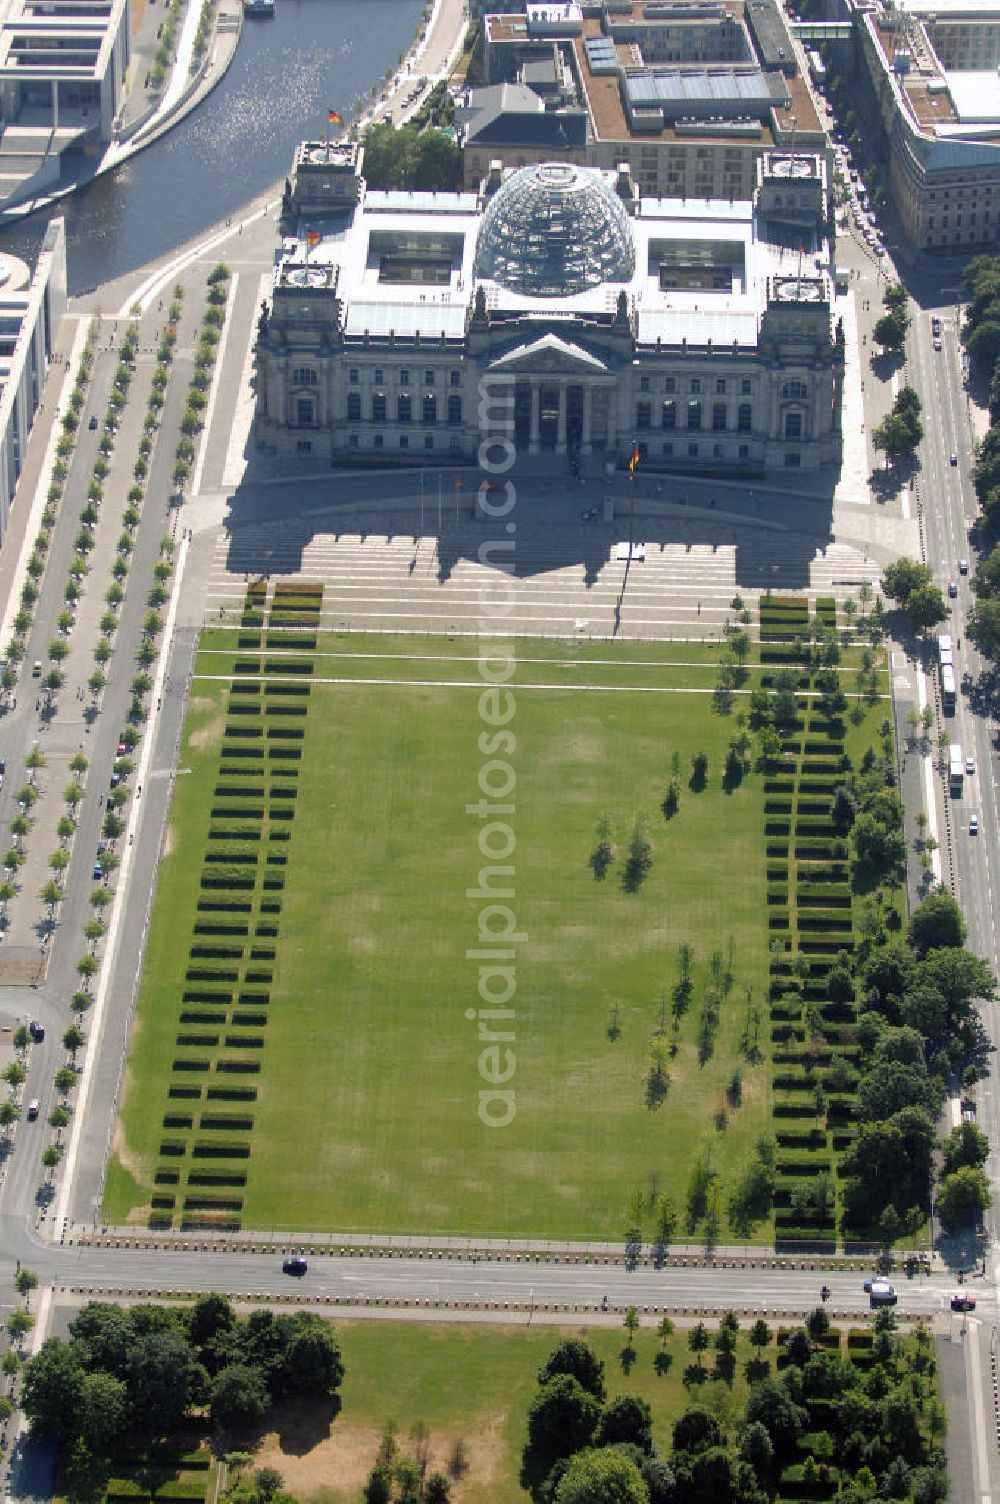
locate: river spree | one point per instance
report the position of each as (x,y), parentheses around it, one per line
(285,76)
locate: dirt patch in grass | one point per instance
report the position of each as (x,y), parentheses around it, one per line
(336,1466)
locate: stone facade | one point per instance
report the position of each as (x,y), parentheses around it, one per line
(698,379)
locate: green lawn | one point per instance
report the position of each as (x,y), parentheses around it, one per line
(366,1116)
(476,1383)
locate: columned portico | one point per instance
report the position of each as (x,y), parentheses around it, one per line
(563,395)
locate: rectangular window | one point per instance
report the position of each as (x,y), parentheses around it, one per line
(745,387)
(668,450)
(744,451)
(793,425)
(378,407)
(692,451)
(377,441)
(696,383)
(430,408)
(669,415)
(455,378)
(669,384)
(717,451)
(642,415)
(378,376)
(428,441)
(428,378)
(720,386)
(352,442)
(404,408)
(793,461)
(354,407)
(404,441)
(719,417)
(404,376)
(304,446)
(744,418)
(694,416)
(304,412)
(354,376)
(644,383)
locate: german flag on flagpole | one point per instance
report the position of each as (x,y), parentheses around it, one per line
(313,238)
(334,118)
(634,460)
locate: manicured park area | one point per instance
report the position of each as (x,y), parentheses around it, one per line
(474,1384)
(351,1101)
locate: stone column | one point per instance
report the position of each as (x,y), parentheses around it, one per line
(588,396)
(536,429)
(611,450)
(561,422)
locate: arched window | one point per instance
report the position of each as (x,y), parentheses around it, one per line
(793,389)
(304,376)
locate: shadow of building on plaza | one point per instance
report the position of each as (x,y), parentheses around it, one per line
(777,536)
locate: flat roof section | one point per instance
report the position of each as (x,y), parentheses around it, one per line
(976,96)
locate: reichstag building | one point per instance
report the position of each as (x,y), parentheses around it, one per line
(702,331)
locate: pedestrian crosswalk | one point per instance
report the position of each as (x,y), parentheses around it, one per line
(559,581)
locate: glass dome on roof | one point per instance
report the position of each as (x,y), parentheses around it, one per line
(552,230)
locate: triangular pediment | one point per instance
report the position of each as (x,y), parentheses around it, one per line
(550,353)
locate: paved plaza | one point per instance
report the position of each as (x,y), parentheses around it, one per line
(381,572)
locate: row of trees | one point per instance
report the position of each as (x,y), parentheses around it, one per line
(70,424)
(882,1423)
(982,340)
(917,1026)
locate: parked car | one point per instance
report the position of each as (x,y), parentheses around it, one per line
(937,344)
(34,1107)
(973,825)
(963,1301)
(954,456)
(93,422)
(963,566)
(880,1292)
(36,1030)
(970,764)
(98,872)
(952,588)
(296,1266)
(122,749)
